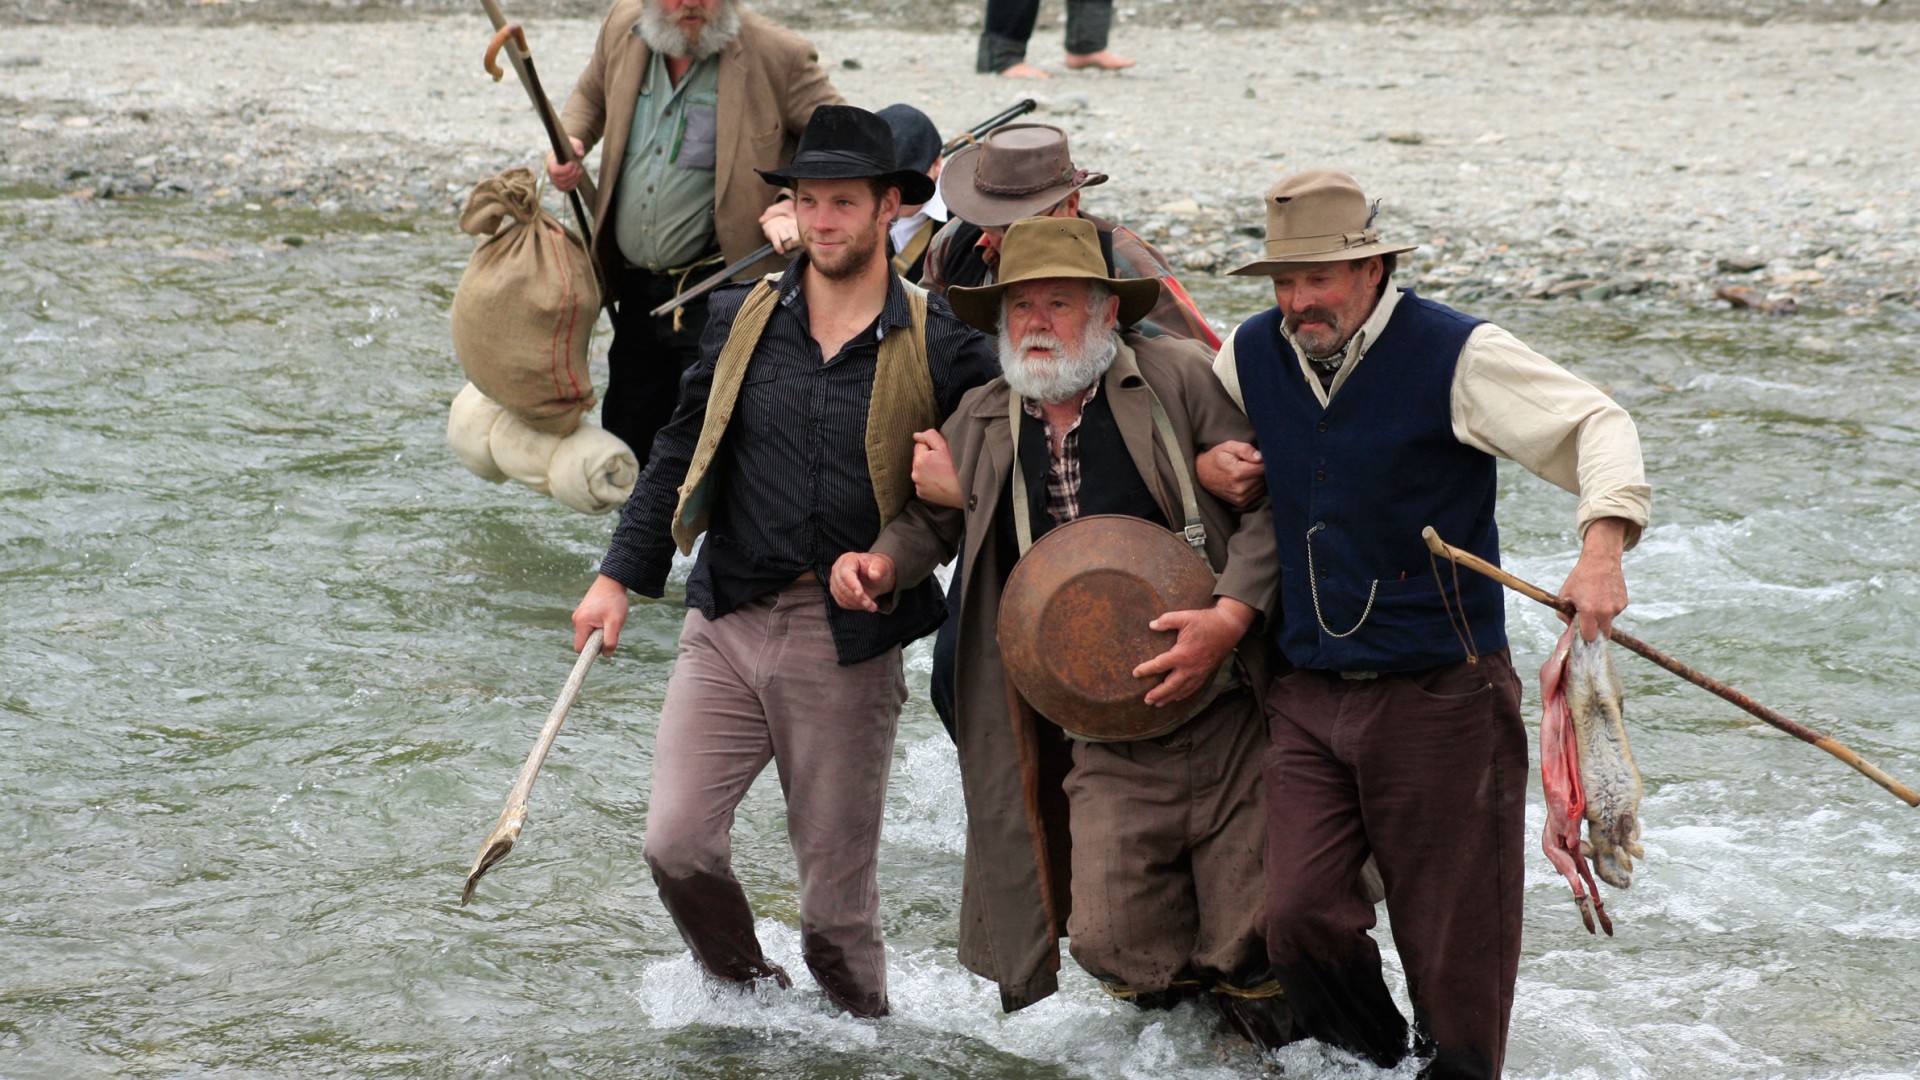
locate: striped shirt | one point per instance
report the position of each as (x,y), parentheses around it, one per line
(1063,468)
(793,491)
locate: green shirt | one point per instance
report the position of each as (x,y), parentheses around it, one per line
(663,209)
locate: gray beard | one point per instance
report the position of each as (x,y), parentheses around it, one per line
(1078,367)
(664,36)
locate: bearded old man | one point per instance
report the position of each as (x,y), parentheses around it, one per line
(792,442)
(1397,733)
(691,97)
(1145,853)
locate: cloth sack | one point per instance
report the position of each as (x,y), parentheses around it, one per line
(526,305)
(589,469)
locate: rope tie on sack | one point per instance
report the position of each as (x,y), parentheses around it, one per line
(1265,991)
(1126,992)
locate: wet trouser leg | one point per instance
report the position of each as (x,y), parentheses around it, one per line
(764,683)
(647,357)
(1426,771)
(946,657)
(1166,853)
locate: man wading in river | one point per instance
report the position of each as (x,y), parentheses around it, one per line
(792,443)
(1160,893)
(1379,413)
(690,95)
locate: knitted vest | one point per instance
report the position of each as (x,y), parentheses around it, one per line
(1353,484)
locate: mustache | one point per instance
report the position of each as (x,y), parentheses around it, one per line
(1312,315)
(1040,339)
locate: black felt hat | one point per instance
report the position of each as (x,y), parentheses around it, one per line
(844,143)
(916,142)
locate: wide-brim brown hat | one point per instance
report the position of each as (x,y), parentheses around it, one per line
(1318,216)
(1044,247)
(1015,172)
(1073,624)
(841,142)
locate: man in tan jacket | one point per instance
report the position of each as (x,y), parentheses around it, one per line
(1146,853)
(690,97)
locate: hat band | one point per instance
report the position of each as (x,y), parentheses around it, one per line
(1315,245)
(1066,176)
(810,158)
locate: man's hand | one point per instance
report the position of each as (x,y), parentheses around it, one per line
(1207,635)
(859,579)
(1233,472)
(603,608)
(934,477)
(566,178)
(781,226)
(1597,587)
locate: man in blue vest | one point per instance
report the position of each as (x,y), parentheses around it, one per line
(1398,733)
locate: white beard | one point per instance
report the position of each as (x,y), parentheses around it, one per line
(1072,369)
(663,35)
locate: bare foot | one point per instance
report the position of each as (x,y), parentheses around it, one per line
(1105,60)
(1024,70)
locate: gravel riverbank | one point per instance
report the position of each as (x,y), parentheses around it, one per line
(1582,156)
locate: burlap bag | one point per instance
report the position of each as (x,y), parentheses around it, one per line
(526,306)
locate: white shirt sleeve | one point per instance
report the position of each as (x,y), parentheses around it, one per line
(1512,402)
(1227,371)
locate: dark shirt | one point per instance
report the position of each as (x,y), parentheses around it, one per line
(792,487)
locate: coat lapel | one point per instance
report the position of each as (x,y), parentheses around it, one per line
(623,85)
(1128,397)
(731,110)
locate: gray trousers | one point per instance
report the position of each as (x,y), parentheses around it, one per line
(761,683)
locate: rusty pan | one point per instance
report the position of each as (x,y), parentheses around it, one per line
(1073,624)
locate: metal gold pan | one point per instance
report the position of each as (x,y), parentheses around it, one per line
(1073,624)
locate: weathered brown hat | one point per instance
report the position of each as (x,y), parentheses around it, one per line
(1318,216)
(1044,247)
(1015,172)
(1073,624)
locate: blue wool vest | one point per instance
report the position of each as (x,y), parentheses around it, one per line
(1363,476)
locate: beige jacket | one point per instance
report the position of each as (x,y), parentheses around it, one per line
(770,83)
(1016,811)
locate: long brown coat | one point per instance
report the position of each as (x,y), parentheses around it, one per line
(1013,909)
(770,83)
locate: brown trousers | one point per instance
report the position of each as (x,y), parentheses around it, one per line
(1426,771)
(1166,853)
(761,683)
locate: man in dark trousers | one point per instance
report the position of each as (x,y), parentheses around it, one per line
(792,443)
(1398,733)
(691,97)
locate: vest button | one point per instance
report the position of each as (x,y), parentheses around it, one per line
(973,502)
(1320,474)
(1325,573)
(1321,426)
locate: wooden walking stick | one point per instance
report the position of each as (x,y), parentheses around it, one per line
(514,39)
(507,830)
(1799,731)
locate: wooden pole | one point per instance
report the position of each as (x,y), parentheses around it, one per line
(514,40)
(507,830)
(1799,731)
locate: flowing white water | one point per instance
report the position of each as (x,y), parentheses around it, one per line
(272,657)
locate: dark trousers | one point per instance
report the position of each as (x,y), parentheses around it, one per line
(1010,23)
(647,357)
(1427,772)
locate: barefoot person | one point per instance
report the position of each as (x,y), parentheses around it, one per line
(1003,44)
(1163,886)
(792,443)
(1398,732)
(691,96)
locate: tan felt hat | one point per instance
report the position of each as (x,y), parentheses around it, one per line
(1044,247)
(1017,171)
(1318,216)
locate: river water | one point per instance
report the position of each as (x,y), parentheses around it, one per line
(271,658)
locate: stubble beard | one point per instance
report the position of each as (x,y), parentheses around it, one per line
(664,35)
(1318,346)
(1073,367)
(853,259)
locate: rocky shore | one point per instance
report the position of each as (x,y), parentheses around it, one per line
(1665,150)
